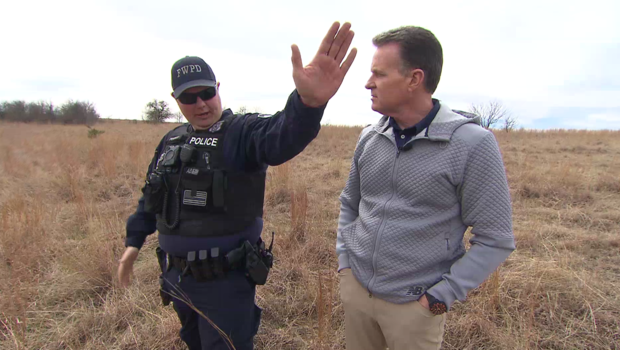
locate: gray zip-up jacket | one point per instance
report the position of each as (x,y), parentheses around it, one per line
(404,213)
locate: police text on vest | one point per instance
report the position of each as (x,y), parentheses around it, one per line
(204,141)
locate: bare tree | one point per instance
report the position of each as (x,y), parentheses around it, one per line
(245,109)
(242,110)
(490,113)
(178,116)
(510,123)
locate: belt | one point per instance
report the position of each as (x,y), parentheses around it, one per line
(182,263)
(254,259)
(206,267)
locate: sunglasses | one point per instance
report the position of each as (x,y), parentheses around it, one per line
(188,98)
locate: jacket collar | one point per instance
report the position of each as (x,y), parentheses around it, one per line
(441,128)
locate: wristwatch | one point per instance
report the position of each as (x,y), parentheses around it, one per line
(436,306)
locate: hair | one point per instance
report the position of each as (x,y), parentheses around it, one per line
(419,49)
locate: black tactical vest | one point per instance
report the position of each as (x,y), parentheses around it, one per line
(193,191)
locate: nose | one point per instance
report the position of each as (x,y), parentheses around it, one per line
(370,84)
(199,102)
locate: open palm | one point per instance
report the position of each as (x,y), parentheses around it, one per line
(319,81)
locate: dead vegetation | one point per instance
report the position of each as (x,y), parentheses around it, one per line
(64,200)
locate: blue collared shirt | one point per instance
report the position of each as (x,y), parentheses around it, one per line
(403,136)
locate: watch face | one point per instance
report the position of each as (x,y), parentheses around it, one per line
(438,308)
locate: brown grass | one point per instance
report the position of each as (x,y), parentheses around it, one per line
(64,200)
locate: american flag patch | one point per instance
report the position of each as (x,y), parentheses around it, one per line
(198,200)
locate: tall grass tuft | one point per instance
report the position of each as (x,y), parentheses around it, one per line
(299,212)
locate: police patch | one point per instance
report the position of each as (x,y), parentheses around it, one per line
(216,127)
(204,141)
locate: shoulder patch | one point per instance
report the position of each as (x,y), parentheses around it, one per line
(265,115)
(216,127)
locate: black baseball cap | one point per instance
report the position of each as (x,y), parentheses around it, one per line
(189,72)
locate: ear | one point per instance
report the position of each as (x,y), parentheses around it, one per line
(175,100)
(416,79)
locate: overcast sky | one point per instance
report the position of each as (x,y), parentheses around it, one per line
(554,64)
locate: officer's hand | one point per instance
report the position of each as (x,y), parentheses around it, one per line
(125,267)
(319,81)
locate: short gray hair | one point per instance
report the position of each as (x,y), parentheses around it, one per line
(419,49)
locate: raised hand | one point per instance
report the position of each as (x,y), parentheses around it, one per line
(319,81)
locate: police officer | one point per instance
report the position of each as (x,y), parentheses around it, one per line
(204,193)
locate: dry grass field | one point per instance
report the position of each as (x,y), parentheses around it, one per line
(65,198)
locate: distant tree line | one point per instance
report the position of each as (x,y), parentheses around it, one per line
(71,112)
(157,111)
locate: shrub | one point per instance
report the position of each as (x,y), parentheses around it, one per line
(78,112)
(92,133)
(157,111)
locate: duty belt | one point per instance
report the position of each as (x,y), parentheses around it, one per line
(205,265)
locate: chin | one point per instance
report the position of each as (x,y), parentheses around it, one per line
(205,126)
(202,126)
(376,108)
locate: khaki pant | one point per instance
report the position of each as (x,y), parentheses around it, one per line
(374,324)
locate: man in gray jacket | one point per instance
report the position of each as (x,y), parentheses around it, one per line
(419,178)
